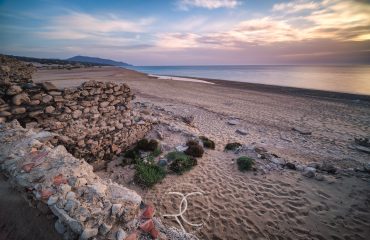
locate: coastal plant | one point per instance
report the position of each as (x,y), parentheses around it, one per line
(232,146)
(147,145)
(148,174)
(180,162)
(245,163)
(207,143)
(194,149)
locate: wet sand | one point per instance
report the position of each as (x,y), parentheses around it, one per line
(280,204)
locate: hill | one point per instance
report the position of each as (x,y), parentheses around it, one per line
(96,60)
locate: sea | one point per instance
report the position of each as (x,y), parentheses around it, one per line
(335,78)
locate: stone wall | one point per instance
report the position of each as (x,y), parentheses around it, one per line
(85,205)
(94,121)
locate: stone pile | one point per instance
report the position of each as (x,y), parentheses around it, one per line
(57,183)
(93,121)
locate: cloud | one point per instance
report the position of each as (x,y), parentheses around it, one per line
(82,26)
(295,6)
(209,4)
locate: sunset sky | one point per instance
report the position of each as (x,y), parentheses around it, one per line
(190,32)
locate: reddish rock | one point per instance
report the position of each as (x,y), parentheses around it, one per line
(154,233)
(28,167)
(132,236)
(149,212)
(147,226)
(59,179)
(46,193)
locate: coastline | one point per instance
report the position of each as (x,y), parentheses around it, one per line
(269,88)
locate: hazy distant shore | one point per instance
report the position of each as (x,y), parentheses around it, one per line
(275,88)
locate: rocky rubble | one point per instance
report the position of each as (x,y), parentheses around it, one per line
(85,205)
(93,121)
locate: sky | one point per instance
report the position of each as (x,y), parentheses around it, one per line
(190,32)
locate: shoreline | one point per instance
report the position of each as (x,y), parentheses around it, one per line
(269,88)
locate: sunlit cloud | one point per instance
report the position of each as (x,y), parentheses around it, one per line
(209,4)
(295,6)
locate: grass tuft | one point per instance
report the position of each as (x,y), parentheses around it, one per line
(245,163)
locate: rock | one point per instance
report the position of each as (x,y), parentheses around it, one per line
(313,165)
(363,149)
(52,200)
(181,148)
(49,109)
(71,205)
(290,165)
(14,90)
(5,114)
(46,98)
(147,226)
(148,212)
(19,110)
(70,195)
(116,209)
(48,86)
(59,227)
(76,114)
(188,119)
(121,235)
(104,104)
(162,162)
(55,93)
(233,122)
(329,168)
(132,236)
(20,98)
(309,172)
(241,131)
(89,233)
(278,161)
(302,131)
(104,228)
(319,177)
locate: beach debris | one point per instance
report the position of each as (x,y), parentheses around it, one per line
(181,148)
(233,122)
(233,146)
(309,172)
(241,131)
(363,149)
(302,131)
(365,142)
(188,119)
(290,165)
(329,168)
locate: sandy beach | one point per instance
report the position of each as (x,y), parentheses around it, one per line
(272,203)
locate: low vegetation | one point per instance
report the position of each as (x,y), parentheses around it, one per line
(180,162)
(207,143)
(245,163)
(147,145)
(148,174)
(194,149)
(232,146)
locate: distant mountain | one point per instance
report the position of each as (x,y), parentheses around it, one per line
(96,60)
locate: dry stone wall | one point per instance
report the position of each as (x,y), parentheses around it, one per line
(54,181)
(94,121)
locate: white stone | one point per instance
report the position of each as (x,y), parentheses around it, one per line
(89,233)
(52,200)
(121,235)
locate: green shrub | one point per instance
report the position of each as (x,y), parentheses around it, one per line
(245,163)
(132,153)
(148,174)
(147,145)
(180,162)
(157,152)
(194,149)
(232,146)
(207,143)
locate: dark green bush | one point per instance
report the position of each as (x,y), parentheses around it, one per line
(194,149)
(245,163)
(147,145)
(148,174)
(132,153)
(180,162)
(207,143)
(232,146)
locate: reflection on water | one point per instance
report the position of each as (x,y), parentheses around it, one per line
(348,78)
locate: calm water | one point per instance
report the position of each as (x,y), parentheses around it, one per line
(350,79)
